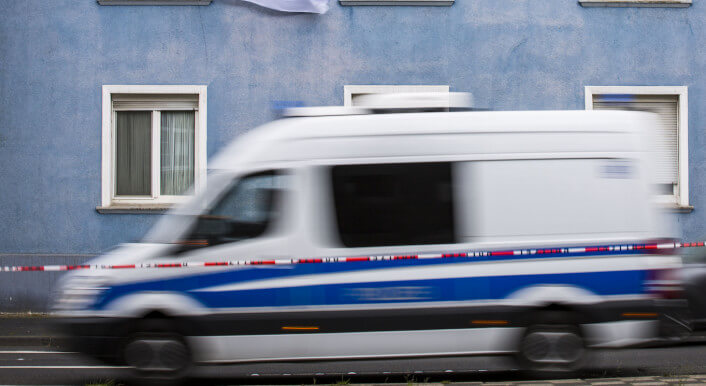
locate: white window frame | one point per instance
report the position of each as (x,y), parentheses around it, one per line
(681,197)
(156,201)
(350,90)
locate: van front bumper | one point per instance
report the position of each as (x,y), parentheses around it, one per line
(100,338)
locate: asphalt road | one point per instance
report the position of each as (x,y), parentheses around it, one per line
(28,365)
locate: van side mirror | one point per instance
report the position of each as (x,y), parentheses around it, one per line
(207,230)
(213,230)
(211,227)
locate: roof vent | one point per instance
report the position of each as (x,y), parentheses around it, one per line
(416,100)
(387,103)
(324,111)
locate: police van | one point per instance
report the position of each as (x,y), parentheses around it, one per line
(352,233)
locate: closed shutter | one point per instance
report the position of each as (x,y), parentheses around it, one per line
(155,102)
(667,108)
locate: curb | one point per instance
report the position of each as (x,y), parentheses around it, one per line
(682,380)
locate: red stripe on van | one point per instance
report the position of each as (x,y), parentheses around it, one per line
(308,261)
(36,268)
(407,257)
(263,262)
(73,267)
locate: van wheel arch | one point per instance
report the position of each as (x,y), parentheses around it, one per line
(560,312)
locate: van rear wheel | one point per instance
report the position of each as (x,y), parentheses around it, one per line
(552,347)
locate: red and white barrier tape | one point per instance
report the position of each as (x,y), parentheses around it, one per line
(517,252)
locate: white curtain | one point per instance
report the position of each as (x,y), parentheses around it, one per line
(177,152)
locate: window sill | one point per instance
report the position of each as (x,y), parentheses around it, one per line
(445,3)
(154,2)
(134,209)
(678,208)
(636,3)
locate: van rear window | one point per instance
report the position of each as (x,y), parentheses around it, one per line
(394,204)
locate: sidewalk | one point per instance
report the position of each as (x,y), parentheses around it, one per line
(25,330)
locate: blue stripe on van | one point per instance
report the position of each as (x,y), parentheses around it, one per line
(457,289)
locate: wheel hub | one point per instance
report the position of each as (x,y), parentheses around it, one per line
(552,347)
(157,354)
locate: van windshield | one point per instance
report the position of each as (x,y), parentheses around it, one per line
(178,221)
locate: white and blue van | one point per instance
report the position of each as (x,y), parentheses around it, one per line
(398,234)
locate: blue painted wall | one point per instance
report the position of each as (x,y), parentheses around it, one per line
(521,54)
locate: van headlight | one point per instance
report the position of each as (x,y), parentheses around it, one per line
(79,292)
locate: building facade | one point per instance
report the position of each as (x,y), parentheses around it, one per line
(84,83)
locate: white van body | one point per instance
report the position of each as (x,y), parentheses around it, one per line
(518,181)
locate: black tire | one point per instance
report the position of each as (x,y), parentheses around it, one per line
(157,352)
(552,342)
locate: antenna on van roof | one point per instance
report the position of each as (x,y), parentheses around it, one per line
(388,103)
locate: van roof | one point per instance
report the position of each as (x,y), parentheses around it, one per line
(438,133)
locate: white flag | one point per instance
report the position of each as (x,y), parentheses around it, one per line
(309,6)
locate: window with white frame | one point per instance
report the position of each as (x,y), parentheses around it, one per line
(671,106)
(154,145)
(354,95)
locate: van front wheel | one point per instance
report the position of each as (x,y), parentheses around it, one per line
(156,351)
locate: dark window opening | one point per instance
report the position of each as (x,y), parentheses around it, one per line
(394,204)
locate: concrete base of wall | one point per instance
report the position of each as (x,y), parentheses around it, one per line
(31,291)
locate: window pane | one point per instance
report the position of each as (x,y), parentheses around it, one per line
(177,152)
(250,200)
(394,204)
(246,210)
(133,153)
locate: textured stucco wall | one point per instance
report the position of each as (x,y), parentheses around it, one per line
(521,54)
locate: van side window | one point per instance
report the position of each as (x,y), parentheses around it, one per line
(394,204)
(246,210)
